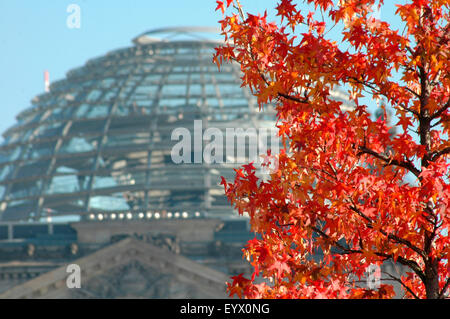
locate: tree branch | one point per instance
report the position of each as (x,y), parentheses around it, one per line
(408,165)
(402,283)
(378,91)
(389,236)
(435,155)
(440,111)
(442,293)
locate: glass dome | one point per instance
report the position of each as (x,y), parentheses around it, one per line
(98,144)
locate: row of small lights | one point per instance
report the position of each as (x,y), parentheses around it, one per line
(148,215)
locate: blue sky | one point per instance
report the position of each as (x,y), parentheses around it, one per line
(34,37)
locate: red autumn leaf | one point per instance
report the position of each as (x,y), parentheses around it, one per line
(220,5)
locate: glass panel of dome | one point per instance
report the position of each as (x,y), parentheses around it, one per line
(182,198)
(62,204)
(157,157)
(4,156)
(3,232)
(36,117)
(135,200)
(78,145)
(64,184)
(137,159)
(67,112)
(107,83)
(128,178)
(124,70)
(210,90)
(133,109)
(18,210)
(79,163)
(125,92)
(135,123)
(127,139)
(25,119)
(195,89)
(180,69)
(213,103)
(224,76)
(175,178)
(2,191)
(110,95)
(177,78)
(135,79)
(47,130)
(149,90)
(93,95)
(25,189)
(56,114)
(41,149)
(24,137)
(37,168)
(82,110)
(87,126)
(15,203)
(104,182)
(121,110)
(66,180)
(6,140)
(230,89)
(228,102)
(6,172)
(98,111)
(186,51)
(112,202)
(152,79)
(196,77)
(173,90)
(138,178)
(219,200)
(142,107)
(172,102)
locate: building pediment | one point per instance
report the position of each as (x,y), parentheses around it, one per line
(128,269)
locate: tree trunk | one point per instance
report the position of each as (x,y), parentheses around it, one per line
(432,280)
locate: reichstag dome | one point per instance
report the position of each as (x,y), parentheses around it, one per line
(97,145)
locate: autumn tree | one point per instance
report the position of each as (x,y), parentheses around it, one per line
(341,184)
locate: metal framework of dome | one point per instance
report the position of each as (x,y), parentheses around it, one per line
(97,146)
